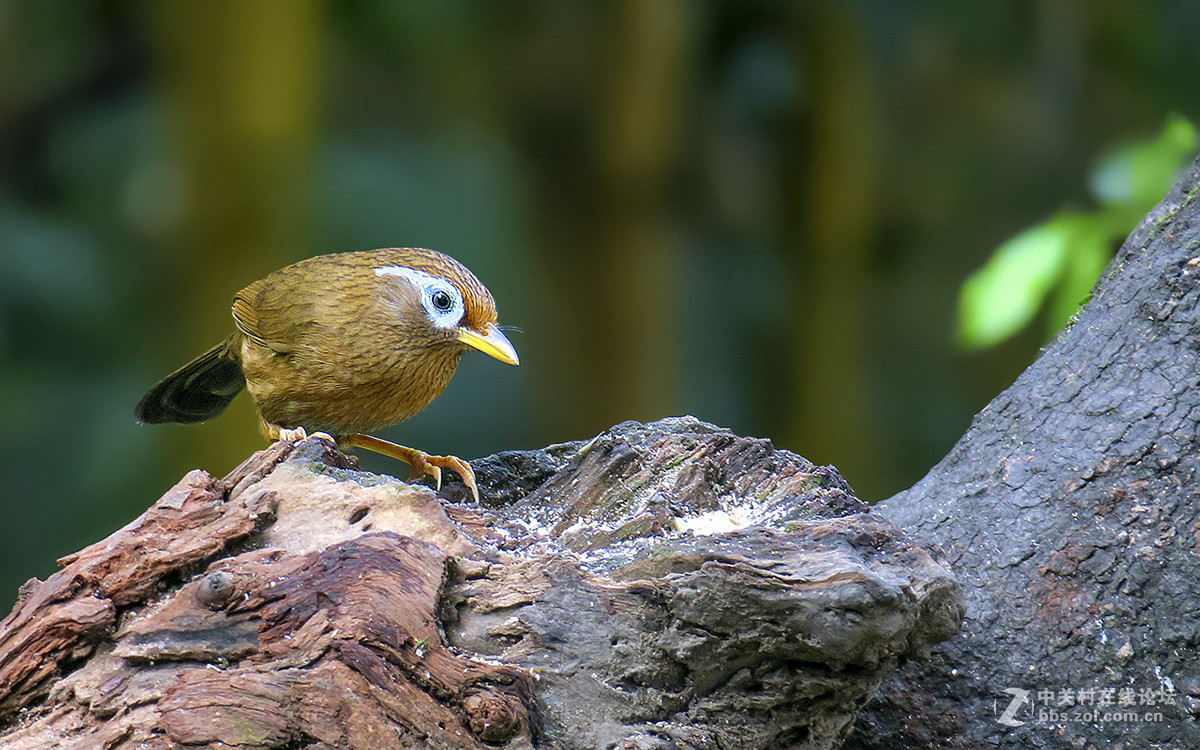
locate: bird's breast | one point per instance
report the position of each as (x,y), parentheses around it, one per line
(355,391)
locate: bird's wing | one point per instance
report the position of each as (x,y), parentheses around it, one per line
(246,306)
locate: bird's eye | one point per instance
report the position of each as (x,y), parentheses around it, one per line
(442,301)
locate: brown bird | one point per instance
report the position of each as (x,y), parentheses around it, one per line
(342,344)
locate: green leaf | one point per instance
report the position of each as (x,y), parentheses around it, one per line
(1062,258)
(1089,249)
(1132,179)
(1002,297)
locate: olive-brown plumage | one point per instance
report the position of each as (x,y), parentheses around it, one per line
(342,344)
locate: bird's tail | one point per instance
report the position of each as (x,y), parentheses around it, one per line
(196,392)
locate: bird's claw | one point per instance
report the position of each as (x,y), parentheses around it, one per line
(294,434)
(421,466)
(290,434)
(424,464)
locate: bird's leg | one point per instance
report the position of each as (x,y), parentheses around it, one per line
(421,462)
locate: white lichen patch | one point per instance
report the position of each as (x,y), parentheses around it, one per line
(734,515)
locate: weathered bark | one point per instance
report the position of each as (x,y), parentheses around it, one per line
(662,586)
(1069,512)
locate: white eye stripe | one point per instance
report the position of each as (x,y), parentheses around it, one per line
(430,286)
(420,278)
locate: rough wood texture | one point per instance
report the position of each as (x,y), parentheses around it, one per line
(1069,511)
(764,628)
(661,586)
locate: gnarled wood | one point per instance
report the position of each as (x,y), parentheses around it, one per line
(664,585)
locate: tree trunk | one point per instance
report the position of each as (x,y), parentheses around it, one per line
(661,586)
(1069,512)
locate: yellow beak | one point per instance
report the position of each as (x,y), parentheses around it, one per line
(491,342)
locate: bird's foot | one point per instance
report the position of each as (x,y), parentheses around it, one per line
(274,432)
(291,435)
(421,462)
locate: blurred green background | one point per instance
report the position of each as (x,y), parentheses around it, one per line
(757,212)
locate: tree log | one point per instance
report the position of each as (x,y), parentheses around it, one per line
(1069,511)
(668,585)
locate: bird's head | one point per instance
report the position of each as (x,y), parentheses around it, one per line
(451,306)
